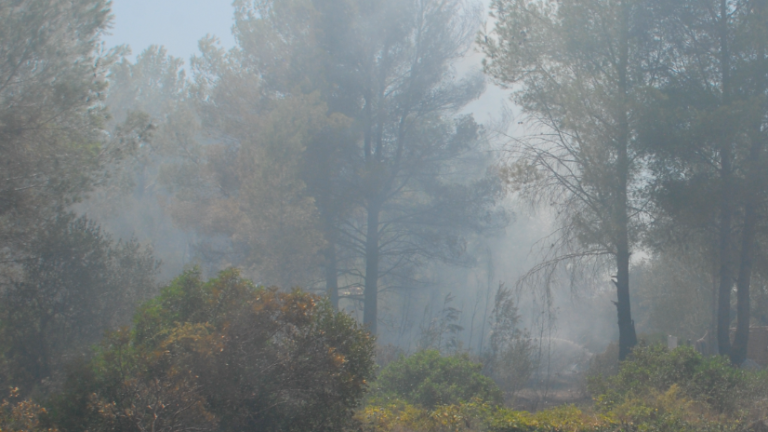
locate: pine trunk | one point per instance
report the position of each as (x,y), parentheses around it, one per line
(627,335)
(370,302)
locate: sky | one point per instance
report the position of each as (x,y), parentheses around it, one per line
(176,24)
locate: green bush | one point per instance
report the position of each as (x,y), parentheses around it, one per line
(222,355)
(429,379)
(655,369)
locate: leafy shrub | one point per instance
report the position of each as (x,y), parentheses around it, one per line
(564,418)
(668,412)
(223,355)
(429,379)
(654,369)
(22,415)
(398,415)
(655,390)
(605,364)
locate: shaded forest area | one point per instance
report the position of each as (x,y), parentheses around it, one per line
(312,232)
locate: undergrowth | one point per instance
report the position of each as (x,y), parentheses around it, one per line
(655,390)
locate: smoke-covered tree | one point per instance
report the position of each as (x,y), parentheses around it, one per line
(52,83)
(74,284)
(63,281)
(152,92)
(580,70)
(705,132)
(415,167)
(347,155)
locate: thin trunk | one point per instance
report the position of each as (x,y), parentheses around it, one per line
(627,335)
(739,349)
(726,208)
(370,301)
(489,281)
(332,275)
(724,254)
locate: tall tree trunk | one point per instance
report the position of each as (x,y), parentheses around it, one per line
(370,296)
(331,274)
(627,335)
(724,256)
(739,349)
(726,206)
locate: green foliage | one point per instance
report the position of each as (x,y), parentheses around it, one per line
(75,283)
(655,390)
(564,418)
(52,70)
(223,355)
(398,415)
(710,380)
(429,379)
(667,412)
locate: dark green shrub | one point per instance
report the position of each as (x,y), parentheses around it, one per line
(222,355)
(429,379)
(707,379)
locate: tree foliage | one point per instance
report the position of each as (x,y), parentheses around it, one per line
(75,284)
(584,68)
(52,85)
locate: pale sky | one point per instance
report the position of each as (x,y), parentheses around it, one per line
(176,24)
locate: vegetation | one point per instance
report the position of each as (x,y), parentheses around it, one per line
(428,379)
(655,390)
(332,149)
(76,283)
(638,113)
(222,355)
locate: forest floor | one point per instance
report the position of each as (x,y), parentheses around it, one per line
(570,390)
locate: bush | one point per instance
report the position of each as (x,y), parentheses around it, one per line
(398,415)
(655,390)
(564,418)
(223,355)
(429,379)
(19,415)
(654,369)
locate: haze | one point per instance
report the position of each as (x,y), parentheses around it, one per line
(383,215)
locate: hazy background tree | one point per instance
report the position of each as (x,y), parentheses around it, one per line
(579,70)
(131,202)
(415,200)
(316,151)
